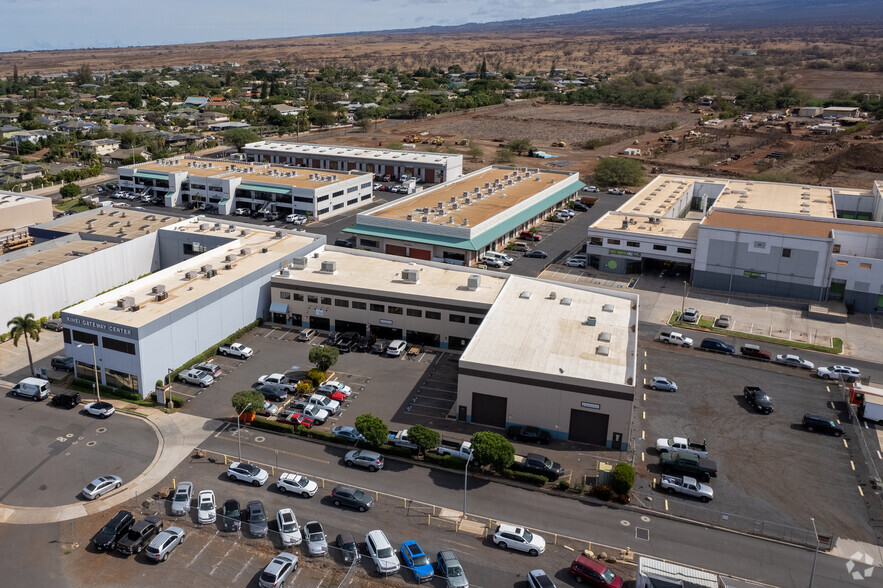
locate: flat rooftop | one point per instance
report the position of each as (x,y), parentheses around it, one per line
(665,227)
(529,330)
(108,220)
(310,149)
(371,272)
(662,193)
(10,199)
(806,227)
(183,290)
(772,197)
(478,196)
(44,256)
(298,177)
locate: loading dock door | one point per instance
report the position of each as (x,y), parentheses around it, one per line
(588,427)
(321,323)
(344,326)
(489,410)
(420,253)
(396,250)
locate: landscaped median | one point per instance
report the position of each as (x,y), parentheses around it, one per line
(707,326)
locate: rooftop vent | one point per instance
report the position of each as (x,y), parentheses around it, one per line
(473,282)
(206,268)
(591,321)
(244,232)
(217,227)
(126,302)
(158,289)
(245,251)
(553,295)
(411,276)
(329,267)
(566,301)
(607,308)
(525,294)
(204,226)
(465,222)
(604,336)
(160,296)
(191,275)
(602,350)
(265,249)
(278,234)
(410,217)
(424,219)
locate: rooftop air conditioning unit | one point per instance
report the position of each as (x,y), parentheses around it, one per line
(135,308)
(441,205)
(456,206)
(217,227)
(453,199)
(298,263)
(473,282)
(125,302)
(161,296)
(230,258)
(424,219)
(451,219)
(265,249)
(228,266)
(204,226)
(284,273)
(591,321)
(206,268)
(411,276)
(159,289)
(244,232)
(329,267)
(278,234)
(410,217)
(191,275)
(245,251)
(465,222)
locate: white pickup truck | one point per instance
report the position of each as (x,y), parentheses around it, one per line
(687,485)
(682,445)
(236,350)
(400,439)
(462,450)
(675,339)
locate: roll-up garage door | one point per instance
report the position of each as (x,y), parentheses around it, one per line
(588,427)
(420,253)
(489,410)
(396,250)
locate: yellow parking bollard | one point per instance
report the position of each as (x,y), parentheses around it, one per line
(376,496)
(555,542)
(428,520)
(174,485)
(225,459)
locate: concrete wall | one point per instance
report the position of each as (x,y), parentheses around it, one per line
(171,243)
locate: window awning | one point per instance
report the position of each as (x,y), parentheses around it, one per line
(153,175)
(259,188)
(279,307)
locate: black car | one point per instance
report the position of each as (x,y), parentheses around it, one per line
(66,399)
(529,435)
(273,395)
(579,206)
(257,519)
(380,346)
(334,338)
(139,535)
(365,343)
(352,497)
(758,399)
(344,243)
(537,253)
(348,341)
(231,516)
(717,346)
(106,539)
(63,363)
(349,549)
(814,422)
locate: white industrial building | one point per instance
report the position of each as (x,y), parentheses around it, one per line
(23,210)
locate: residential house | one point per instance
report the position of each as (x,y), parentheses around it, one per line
(210,118)
(99,146)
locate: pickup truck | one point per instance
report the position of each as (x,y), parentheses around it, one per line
(535,463)
(688,463)
(462,450)
(278,382)
(400,439)
(236,350)
(687,485)
(682,445)
(675,339)
(139,535)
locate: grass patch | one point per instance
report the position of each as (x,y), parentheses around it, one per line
(76,204)
(707,326)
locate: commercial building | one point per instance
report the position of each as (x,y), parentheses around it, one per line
(458,221)
(23,210)
(226,186)
(788,240)
(431,167)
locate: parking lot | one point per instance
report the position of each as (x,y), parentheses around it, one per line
(771,471)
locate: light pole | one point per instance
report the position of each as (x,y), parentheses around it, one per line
(238,436)
(683,301)
(816,553)
(465,482)
(94,367)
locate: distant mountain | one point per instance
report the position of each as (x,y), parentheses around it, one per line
(735,14)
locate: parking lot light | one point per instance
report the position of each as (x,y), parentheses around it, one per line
(815,554)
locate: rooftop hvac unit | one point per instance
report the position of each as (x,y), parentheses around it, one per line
(455,206)
(230,258)
(451,219)
(278,234)
(487,184)
(298,263)
(537,179)
(123,215)
(125,302)
(466,194)
(264,249)
(424,219)
(329,267)
(284,273)
(441,205)
(473,282)
(410,217)
(217,227)
(160,296)
(411,276)
(453,198)
(591,321)
(191,275)
(465,222)
(159,289)
(135,308)
(625,224)
(467,201)
(228,266)
(206,268)
(244,232)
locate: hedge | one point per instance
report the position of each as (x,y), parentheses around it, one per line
(525,477)
(213,350)
(445,461)
(88,386)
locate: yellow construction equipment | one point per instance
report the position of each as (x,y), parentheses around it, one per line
(412,138)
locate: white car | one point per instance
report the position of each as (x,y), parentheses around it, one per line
(591,189)
(575,262)
(278,382)
(196,377)
(396,348)
(101,486)
(382,553)
(296,219)
(839,372)
(332,406)
(795,361)
(289,530)
(491,262)
(246,472)
(335,386)
(100,409)
(296,484)
(520,539)
(164,543)
(566,212)
(615,191)
(206,508)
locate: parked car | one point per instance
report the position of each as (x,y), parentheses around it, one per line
(795,361)
(754,352)
(382,553)
(814,422)
(537,254)
(278,570)
(519,538)
(575,262)
(839,372)
(591,189)
(213,369)
(231,516)
(115,529)
(315,412)
(101,486)
(529,434)
(306,335)
(196,377)
(365,343)
(139,535)
(527,235)
(348,547)
(716,346)
(723,321)
(333,385)
(317,543)
(62,363)
(66,399)
(164,543)
(277,382)
(539,579)
(256,518)
(270,409)
(206,508)
(758,399)
(492,262)
(101,409)
(333,338)
(371,460)
(450,569)
(272,392)
(289,530)
(396,348)
(344,243)
(691,315)
(325,403)
(296,418)
(586,569)
(181,498)
(579,206)
(53,325)
(296,484)
(348,433)
(664,384)
(352,497)
(417,561)
(247,472)
(616,191)
(380,346)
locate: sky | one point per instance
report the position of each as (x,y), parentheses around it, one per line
(74,24)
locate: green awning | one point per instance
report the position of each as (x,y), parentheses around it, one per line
(257,188)
(149,174)
(478,241)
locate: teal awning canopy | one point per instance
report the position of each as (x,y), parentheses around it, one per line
(149,174)
(279,307)
(257,188)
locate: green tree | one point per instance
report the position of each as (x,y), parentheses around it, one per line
(474,150)
(372,428)
(70,190)
(519,146)
(504,156)
(324,356)
(240,137)
(492,449)
(424,437)
(247,401)
(25,326)
(619,171)
(622,478)
(482,70)
(83,75)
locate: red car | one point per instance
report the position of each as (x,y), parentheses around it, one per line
(586,569)
(335,395)
(296,418)
(530,236)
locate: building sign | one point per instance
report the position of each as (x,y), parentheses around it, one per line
(757,275)
(591,405)
(385,322)
(103,327)
(621,252)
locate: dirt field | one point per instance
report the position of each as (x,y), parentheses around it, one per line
(821,82)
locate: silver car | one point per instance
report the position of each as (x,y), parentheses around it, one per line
(181,499)
(163,544)
(317,543)
(371,460)
(276,572)
(100,486)
(196,377)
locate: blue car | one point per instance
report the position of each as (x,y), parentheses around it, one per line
(417,561)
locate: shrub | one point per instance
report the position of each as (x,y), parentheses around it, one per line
(593,143)
(275,426)
(445,461)
(372,428)
(563,485)
(525,477)
(43,320)
(602,492)
(56,314)
(324,356)
(304,387)
(492,449)
(316,376)
(247,399)
(622,478)
(4,337)
(424,437)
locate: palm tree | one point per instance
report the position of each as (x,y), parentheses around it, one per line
(30,328)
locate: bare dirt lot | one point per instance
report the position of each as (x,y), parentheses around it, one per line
(821,82)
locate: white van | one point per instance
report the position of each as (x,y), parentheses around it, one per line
(35,388)
(498,256)
(396,348)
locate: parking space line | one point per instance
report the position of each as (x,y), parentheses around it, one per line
(879,456)
(223,558)
(245,567)
(860,491)
(322,581)
(282,451)
(204,547)
(852,464)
